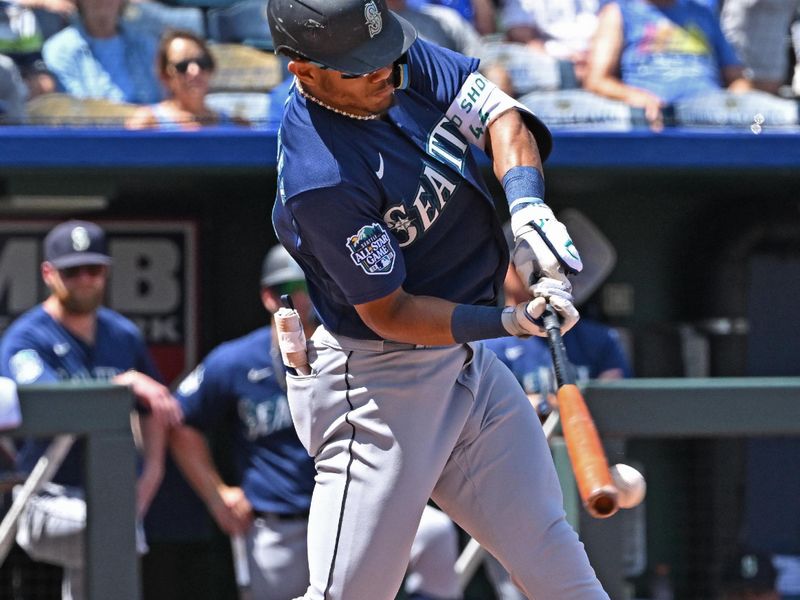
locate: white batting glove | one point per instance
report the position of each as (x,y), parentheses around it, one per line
(521,320)
(559,254)
(524,319)
(543,254)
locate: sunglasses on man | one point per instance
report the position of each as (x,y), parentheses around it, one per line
(72,272)
(204,63)
(399,71)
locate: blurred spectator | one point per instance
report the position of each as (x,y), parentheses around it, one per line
(795,35)
(185,66)
(12,92)
(441,25)
(561,29)
(67,338)
(655,53)
(102,56)
(749,576)
(481,14)
(758,29)
(497,73)
(24,25)
(157,17)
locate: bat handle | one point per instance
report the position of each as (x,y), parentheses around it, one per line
(286,300)
(565,372)
(551,319)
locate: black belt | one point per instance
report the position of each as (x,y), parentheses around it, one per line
(273,516)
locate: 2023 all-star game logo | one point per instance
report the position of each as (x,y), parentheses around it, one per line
(371,249)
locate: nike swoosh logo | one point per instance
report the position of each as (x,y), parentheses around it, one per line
(258,374)
(379,172)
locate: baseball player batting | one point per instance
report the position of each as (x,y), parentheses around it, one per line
(382,203)
(240,387)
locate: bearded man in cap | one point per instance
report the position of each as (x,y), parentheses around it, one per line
(72,337)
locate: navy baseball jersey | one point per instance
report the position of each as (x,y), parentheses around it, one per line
(39,349)
(364,210)
(238,384)
(591,346)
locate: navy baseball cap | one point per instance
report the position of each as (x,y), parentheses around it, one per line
(749,571)
(76,243)
(279,267)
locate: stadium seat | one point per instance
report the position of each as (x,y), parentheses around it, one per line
(157,17)
(579,109)
(244,69)
(529,70)
(243,23)
(753,109)
(251,106)
(66,110)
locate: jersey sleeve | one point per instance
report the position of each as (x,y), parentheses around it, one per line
(22,361)
(438,73)
(202,394)
(342,228)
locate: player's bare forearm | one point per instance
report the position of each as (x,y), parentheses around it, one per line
(227,505)
(192,455)
(511,144)
(154,449)
(403,317)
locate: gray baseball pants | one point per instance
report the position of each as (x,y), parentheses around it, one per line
(391,425)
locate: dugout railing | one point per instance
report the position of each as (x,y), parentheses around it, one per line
(665,408)
(100,414)
(670,409)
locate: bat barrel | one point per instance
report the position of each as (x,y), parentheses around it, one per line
(603,502)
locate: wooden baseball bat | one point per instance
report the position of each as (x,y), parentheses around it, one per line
(586,453)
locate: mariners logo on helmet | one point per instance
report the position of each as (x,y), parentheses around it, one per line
(80,239)
(371,249)
(373,16)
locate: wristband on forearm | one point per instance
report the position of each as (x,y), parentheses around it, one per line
(523,186)
(471,323)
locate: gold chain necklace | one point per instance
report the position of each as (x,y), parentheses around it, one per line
(308,96)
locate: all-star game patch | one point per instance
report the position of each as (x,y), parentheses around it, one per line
(371,249)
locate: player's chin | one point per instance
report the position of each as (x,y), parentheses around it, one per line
(383,101)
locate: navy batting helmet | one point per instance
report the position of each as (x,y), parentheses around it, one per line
(351,36)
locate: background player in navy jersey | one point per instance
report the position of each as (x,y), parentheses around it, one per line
(241,386)
(382,203)
(592,346)
(72,337)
